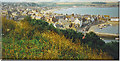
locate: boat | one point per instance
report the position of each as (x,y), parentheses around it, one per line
(100,26)
(104,25)
(110,24)
(116,38)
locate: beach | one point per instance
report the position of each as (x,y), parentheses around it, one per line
(110,32)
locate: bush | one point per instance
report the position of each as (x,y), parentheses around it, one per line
(93,40)
(112,48)
(30,31)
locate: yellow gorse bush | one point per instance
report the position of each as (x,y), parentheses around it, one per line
(61,43)
(49,46)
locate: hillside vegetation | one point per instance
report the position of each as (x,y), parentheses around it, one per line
(36,39)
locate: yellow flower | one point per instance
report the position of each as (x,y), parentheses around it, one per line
(49,51)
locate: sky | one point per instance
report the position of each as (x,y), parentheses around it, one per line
(59,0)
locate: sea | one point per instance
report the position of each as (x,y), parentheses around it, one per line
(114,29)
(111,11)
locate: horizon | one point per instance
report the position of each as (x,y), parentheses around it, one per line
(65,1)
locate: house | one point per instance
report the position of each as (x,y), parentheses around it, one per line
(49,20)
(54,19)
(61,20)
(114,19)
(59,26)
(60,16)
(37,13)
(72,19)
(14,13)
(86,16)
(7,16)
(78,23)
(81,23)
(33,16)
(16,18)
(11,18)
(24,13)
(65,22)
(76,16)
(92,19)
(20,18)
(37,17)
(106,16)
(43,18)
(9,12)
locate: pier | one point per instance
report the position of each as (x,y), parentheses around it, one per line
(107,35)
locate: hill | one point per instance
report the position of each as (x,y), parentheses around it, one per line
(36,39)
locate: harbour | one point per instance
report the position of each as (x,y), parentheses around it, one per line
(107,31)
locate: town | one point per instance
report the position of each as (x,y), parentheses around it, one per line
(73,21)
(59,30)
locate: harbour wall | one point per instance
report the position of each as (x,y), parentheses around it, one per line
(107,35)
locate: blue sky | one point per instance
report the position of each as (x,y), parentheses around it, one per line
(59,0)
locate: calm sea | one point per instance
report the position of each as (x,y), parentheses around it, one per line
(112,11)
(110,29)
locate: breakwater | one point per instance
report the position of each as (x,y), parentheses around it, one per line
(107,35)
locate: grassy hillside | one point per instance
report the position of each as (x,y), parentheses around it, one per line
(36,39)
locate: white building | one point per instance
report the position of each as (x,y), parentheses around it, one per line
(78,22)
(114,19)
(37,17)
(81,23)
(14,13)
(92,19)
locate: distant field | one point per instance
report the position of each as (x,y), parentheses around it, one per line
(87,3)
(62,4)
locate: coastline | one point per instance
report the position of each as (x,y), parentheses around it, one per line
(60,8)
(55,9)
(105,35)
(98,33)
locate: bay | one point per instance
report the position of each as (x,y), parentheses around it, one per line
(112,11)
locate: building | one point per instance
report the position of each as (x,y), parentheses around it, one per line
(37,17)
(114,19)
(78,23)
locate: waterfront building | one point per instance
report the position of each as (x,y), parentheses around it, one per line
(106,16)
(114,19)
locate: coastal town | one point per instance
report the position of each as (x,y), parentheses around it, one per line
(59,30)
(73,21)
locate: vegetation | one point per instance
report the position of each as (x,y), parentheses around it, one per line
(36,39)
(113,49)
